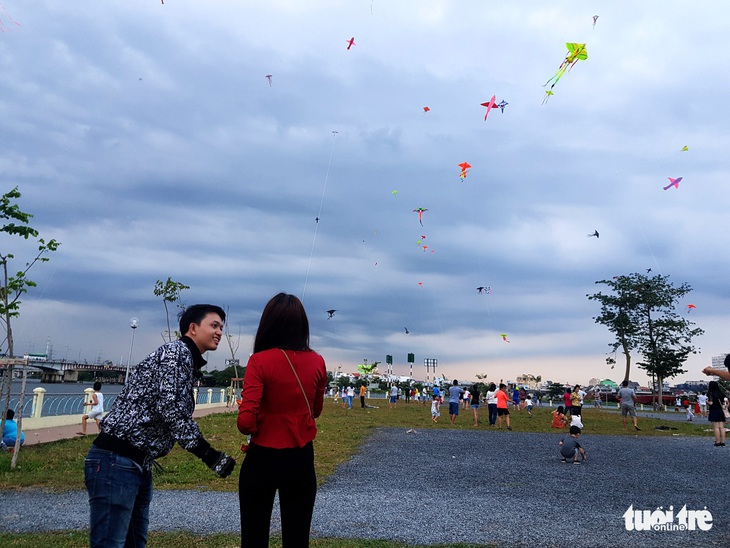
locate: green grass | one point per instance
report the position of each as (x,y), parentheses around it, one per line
(80,539)
(58,466)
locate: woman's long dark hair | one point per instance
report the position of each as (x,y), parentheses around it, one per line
(715,393)
(283,324)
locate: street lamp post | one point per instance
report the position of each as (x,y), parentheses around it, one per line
(133,324)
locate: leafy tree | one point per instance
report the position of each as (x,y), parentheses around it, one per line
(616,314)
(642,314)
(170,293)
(15,285)
(555,390)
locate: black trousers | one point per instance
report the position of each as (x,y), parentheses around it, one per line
(362,402)
(265,471)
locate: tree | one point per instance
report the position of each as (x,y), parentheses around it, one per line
(616,310)
(664,338)
(14,286)
(642,314)
(170,293)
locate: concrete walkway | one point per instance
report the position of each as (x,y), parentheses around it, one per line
(56,433)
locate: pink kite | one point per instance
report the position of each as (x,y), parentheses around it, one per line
(673,183)
(490,105)
(351,42)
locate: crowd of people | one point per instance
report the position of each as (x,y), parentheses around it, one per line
(283,395)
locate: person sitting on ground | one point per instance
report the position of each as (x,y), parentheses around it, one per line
(10,432)
(559,418)
(570,448)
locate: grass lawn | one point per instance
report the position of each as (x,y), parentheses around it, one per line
(58,466)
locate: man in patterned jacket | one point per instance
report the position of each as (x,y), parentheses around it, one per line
(152,413)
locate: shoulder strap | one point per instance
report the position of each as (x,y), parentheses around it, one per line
(309,407)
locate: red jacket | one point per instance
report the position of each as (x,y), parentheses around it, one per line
(273,409)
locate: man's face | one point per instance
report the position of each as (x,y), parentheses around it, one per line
(207,335)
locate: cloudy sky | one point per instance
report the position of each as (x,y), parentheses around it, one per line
(147,139)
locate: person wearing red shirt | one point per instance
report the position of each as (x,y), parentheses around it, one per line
(283,393)
(502,405)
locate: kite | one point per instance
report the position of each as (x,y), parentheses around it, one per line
(367,368)
(394,193)
(576,52)
(595,18)
(420,283)
(316,220)
(673,183)
(502,104)
(504,337)
(425,247)
(331,313)
(548,94)
(595,233)
(407,332)
(690,307)
(464,167)
(483,289)
(425,110)
(685,148)
(648,270)
(269,77)
(420,211)
(351,42)
(490,105)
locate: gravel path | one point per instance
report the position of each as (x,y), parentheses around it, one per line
(484,487)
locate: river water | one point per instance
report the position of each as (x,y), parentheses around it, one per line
(65,388)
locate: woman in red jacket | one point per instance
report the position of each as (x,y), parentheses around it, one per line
(283,393)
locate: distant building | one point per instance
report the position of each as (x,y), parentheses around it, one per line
(719,361)
(528,380)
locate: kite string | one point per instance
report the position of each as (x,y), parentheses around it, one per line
(319,214)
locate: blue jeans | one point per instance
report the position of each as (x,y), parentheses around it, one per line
(120,492)
(349,402)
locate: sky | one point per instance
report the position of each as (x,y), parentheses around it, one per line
(147,139)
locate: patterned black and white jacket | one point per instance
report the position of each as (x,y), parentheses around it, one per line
(155,408)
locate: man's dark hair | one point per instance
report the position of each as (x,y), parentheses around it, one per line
(727,361)
(97,385)
(455,382)
(575,430)
(625,384)
(10,415)
(196,313)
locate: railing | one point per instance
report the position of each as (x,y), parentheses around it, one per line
(61,409)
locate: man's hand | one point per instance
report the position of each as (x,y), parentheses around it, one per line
(219,462)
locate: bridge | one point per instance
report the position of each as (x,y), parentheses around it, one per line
(68,371)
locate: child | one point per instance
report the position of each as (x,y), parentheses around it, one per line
(688,408)
(575,420)
(570,448)
(435,408)
(559,419)
(96,411)
(716,416)
(528,405)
